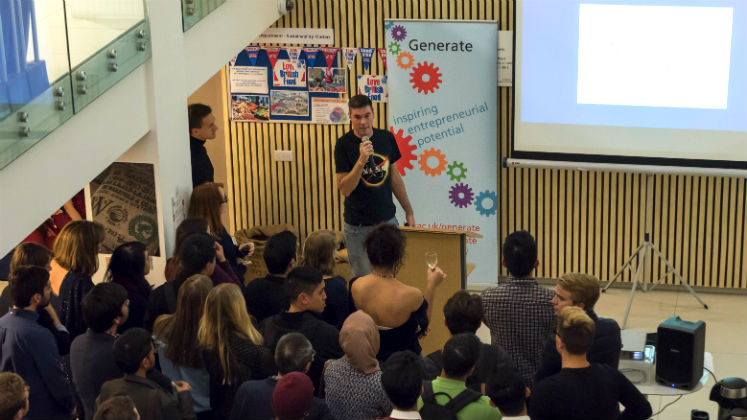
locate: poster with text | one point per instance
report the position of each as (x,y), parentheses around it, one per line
(250,107)
(289,102)
(289,73)
(329,110)
(123,199)
(246,79)
(443,113)
(374,86)
(322,79)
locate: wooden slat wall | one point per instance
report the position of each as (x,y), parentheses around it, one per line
(583,221)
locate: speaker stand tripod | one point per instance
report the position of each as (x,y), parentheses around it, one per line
(639,277)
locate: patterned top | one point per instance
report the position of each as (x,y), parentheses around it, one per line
(520,316)
(352,394)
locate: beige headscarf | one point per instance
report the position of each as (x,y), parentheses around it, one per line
(359,339)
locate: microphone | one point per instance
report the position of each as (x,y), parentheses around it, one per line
(371,161)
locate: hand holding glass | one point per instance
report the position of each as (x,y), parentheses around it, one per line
(431,259)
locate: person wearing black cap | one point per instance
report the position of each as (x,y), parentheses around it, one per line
(134,352)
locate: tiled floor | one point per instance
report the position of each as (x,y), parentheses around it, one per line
(726,335)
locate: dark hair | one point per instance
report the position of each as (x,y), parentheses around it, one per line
(279,251)
(460,354)
(385,246)
(520,253)
(508,392)
(293,352)
(102,304)
(302,280)
(197,112)
(463,312)
(492,361)
(197,251)
(402,379)
(25,282)
(127,267)
(30,253)
(359,101)
(186,228)
(118,407)
(12,394)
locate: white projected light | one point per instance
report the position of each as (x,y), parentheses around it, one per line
(657,56)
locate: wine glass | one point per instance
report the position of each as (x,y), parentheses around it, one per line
(431,259)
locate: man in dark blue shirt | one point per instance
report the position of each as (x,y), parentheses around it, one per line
(202,127)
(30,350)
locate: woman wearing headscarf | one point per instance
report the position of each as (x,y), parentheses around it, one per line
(353,382)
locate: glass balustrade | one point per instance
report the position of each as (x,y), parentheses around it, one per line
(35,87)
(57,56)
(195,10)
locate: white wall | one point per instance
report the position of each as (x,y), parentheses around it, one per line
(149,103)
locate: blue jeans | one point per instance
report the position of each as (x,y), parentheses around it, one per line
(354,236)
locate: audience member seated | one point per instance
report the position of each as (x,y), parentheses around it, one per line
(583,390)
(129,265)
(14,396)
(292,397)
(233,350)
(120,407)
(582,290)
(319,252)
(196,256)
(463,314)
(353,383)
(508,393)
(293,353)
(76,250)
(401,312)
(34,254)
(29,349)
(134,352)
(306,288)
(402,380)
(267,296)
(460,355)
(209,202)
(105,309)
(223,272)
(519,313)
(176,333)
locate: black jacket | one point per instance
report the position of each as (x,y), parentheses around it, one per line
(604,350)
(202,167)
(323,337)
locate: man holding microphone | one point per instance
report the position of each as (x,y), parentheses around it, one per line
(367,175)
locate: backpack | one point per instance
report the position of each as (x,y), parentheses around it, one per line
(432,410)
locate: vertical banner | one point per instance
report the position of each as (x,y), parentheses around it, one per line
(272,55)
(366,54)
(443,112)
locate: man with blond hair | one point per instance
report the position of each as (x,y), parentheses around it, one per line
(582,290)
(583,390)
(14,396)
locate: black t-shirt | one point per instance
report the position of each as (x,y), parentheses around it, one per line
(591,393)
(371,201)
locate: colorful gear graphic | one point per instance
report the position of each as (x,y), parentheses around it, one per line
(432,171)
(425,77)
(399,33)
(405,149)
(457,176)
(486,211)
(388,25)
(394,48)
(461,195)
(405,60)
